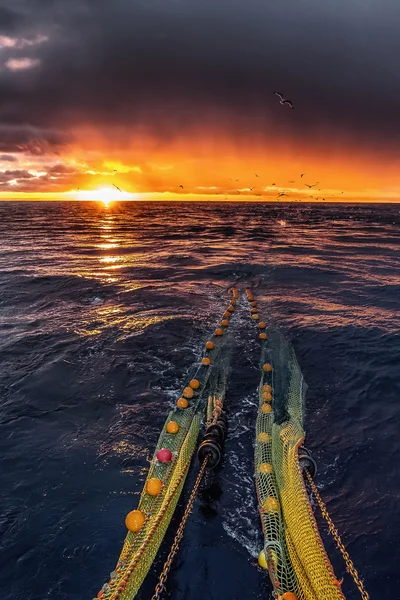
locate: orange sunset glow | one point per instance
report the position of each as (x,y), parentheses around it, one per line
(208,168)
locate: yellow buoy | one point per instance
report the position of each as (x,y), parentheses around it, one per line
(134,520)
(262,560)
(210,346)
(267,368)
(188,392)
(182,403)
(206,361)
(266,408)
(194,384)
(264,437)
(271,504)
(265,468)
(154,486)
(172,427)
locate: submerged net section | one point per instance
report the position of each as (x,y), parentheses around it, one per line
(297,560)
(140,547)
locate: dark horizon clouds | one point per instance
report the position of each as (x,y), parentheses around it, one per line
(168,66)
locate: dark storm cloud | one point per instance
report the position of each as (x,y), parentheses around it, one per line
(18,174)
(171,64)
(8,158)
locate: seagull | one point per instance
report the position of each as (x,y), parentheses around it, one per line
(251,189)
(181,186)
(291,181)
(117,188)
(281,194)
(273,183)
(302,174)
(256,175)
(311,186)
(283,100)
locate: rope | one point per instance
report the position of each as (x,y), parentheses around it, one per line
(335,534)
(179,535)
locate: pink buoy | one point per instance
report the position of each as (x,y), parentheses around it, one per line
(164,455)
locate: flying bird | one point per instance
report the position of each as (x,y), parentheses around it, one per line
(273,184)
(181,186)
(302,174)
(251,189)
(281,194)
(117,188)
(283,100)
(256,175)
(291,181)
(311,186)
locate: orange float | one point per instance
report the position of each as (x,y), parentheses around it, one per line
(134,520)
(253,311)
(230,308)
(206,361)
(210,346)
(266,408)
(255,317)
(267,368)
(267,388)
(172,427)
(262,325)
(194,384)
(265,468)
(154,486)
(267,397)
(271,504)
(219,331)
(263,336)
(264,437)
(225,323)
(287,596)
(182,403)
(188,392)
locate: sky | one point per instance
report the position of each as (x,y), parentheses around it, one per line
(151,95)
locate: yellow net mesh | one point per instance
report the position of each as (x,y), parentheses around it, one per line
(297,560)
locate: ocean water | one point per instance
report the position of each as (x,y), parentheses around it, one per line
(104,312)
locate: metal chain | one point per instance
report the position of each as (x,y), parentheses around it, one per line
(179,535)
(349,563)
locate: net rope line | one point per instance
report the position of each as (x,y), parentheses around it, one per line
(140,548)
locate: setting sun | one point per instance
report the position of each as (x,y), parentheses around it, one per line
(102,194)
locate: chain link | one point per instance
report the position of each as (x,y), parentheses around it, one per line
(334,532)
(179,535)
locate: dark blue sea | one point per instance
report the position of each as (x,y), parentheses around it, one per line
(103,315)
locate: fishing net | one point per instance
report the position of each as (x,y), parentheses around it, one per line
(140,548)
(297,560)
